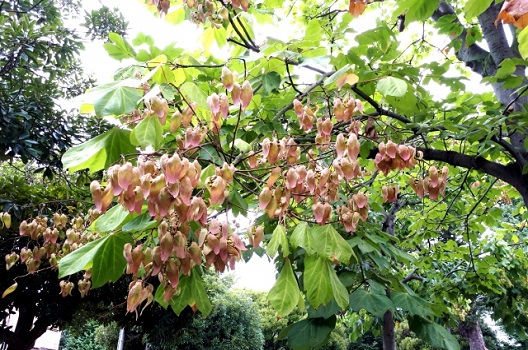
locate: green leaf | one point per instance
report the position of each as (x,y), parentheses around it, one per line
(310,333)
(239,204)
(436,335)
(140,223)
(376,304)
(285,292)
(523,43)
(339,290)
(331,245)
(192,292)
(207,172)
(317,281)
(99,152)
(302,236)
(271,82)
(473,8)
(119,48)
(176,17)
(391,86)
(220,36)
(331,79)
(242,145)
(411,303)
(416,10)
(104,256)
(194,94)
(278,238)
(148,132)
(158,297)
(325,311)
(112,219)
(117,98)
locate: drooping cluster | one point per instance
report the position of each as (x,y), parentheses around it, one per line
(346,108)
(219,103)
(356,209)
(49,240)
(176,254)
(392,156)
(434,184)
(202,10)
(166,185)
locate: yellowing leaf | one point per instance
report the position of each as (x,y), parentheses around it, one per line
(10,290)
(156,61)
(349,79)
(87,108)
(515,12)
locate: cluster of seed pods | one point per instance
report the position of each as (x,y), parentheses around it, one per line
(201,10)
(49,240)
(176,254)
(392,156)
(170,187)
(356,209)
(434,184)
(219,103)
(345,109)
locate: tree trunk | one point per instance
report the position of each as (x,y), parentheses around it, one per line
(27,331)
(387,330)
(471,331)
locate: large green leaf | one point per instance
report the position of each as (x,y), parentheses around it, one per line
(192,292)
(278,238)
(284,295)
(99,152)
(523,43)
(317,281)
(417,10)
(112,219)
(310,333)
(148,132)
(118,47)
(391,86)
(271,82)
(116,98)
(194,94)
(104,256)
(411,303)
(376,304)
(339,290)
(303,237)
(140,223)
(436,335)
(331,245)
(473,8)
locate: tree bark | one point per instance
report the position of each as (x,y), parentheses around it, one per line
(471,331)
(27,331)
(387,328)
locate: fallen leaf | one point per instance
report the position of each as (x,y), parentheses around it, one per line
(10,290)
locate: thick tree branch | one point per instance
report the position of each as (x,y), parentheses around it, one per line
(473,56)
(510,174)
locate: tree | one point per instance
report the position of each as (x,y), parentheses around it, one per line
(363,182)
(40,65)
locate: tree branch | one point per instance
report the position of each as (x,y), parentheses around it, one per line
(309,89)
(511,173)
